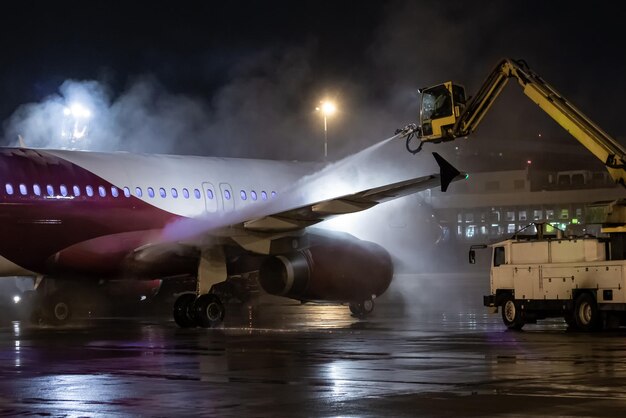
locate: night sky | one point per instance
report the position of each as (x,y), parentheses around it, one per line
(242,78)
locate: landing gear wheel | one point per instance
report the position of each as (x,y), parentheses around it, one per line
(58,310)
(362,309)
(208,310)
(183,310)
(586,314)
(512,315)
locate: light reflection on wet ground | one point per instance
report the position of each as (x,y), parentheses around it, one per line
(313,360)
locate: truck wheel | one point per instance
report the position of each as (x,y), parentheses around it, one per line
(586,314)
(512,316)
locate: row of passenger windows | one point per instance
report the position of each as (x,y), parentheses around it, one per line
(115,192)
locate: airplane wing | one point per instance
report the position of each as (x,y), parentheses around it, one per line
(310,214)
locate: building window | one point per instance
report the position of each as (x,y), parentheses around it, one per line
(470,231)
(510,229)
(495,216)
(510,215)
(469,217)
(549,214)
(522,215)
(498,256)
(459,217)
(483,230)
(537,215)
(492,185)
(519,184)
(564,213)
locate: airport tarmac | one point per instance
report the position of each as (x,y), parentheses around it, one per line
(287,359)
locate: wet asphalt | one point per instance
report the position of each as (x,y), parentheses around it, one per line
(283,359)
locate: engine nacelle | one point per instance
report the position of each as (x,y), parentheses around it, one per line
(338,270)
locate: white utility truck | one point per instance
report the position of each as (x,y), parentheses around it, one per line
(536,275)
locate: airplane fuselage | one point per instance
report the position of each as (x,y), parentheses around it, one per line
(81,213)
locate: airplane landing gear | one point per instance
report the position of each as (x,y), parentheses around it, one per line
(362,309)
(183,313)
(53,309)
(57,309)
(205,311)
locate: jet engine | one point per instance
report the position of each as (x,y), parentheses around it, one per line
(329,269)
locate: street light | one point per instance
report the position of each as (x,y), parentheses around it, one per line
(327,108)
(76,123)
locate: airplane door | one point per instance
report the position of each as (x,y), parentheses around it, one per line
(211,197)
(228,199)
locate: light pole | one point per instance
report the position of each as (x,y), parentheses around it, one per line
(327,108)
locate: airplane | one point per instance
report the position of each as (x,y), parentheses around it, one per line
(74,217)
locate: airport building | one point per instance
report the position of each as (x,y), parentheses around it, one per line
(494,205)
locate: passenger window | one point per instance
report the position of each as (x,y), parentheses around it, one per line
(186,193)
(89,190)
(274,195)
(114,191)
(150,192)
(498,256)
(253,195)
(36,190)
(162,192)
(23,190)
(196,193)
(263,195)
(76,190)
(209,194)
(102,191)
(174,193)
(126,191)
(138,192)
(63,190)
(227,194)
(243,195)
(9,188)
(50,190)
